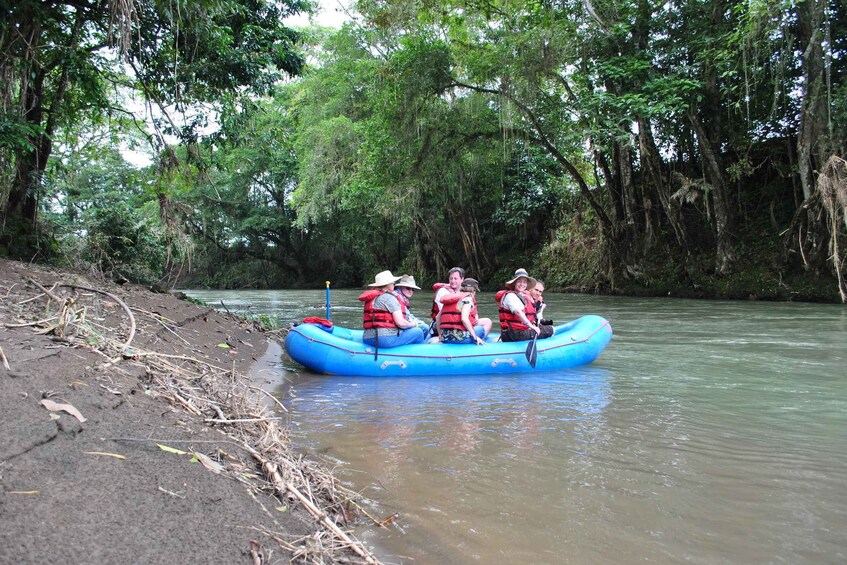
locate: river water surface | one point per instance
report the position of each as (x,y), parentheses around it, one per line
(707,432)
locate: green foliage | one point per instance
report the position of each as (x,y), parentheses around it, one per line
(60,69)
(426,135)
(264,322)
(15,134)
(214,48)
(99,215)
(121,241)
(574,259)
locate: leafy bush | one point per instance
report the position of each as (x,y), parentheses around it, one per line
(120,240)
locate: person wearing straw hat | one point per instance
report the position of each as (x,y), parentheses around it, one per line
(518,316)
(404,288)
(383,318)
(459,320)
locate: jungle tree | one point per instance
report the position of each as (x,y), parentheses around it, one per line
(61,64)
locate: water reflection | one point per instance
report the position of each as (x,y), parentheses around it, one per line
(455,413)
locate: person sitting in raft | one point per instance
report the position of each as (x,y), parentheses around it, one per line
(537,294)
(454,278)
(403,290)
(518,321)
(459,320)
(383,318)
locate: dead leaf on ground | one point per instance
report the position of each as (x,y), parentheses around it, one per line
(209,463)
(105,454)
(56,407)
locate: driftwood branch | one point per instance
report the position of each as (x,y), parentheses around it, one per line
(119,301)
(270,469)
(48,292)
(5,360)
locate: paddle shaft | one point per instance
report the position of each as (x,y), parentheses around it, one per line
(532,351)
(328,309)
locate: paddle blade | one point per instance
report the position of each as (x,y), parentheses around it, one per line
(532,351)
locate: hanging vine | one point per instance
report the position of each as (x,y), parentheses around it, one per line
(832,187)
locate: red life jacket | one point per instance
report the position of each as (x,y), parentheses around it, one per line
(433,312)
(404,302)
(509,320)
(373,318)
(451,314)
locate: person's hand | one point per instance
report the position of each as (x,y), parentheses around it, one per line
(535,328)
(479,340)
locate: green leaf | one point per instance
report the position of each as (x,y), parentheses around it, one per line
(171,449)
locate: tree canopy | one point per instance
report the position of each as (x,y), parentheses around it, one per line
(687,147)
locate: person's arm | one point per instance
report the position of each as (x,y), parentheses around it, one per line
(516,306)
(400,321)
(438,296)
(442,292)
(466,321)
(390,303)
(520,313)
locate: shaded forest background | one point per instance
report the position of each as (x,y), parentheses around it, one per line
(626,146)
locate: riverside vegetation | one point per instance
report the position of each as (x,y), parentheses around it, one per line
(622,146)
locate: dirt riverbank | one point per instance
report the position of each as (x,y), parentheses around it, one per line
(131,434)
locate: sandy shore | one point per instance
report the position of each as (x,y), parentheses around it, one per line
(132,434)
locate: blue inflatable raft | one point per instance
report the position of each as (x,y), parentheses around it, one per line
(340,351)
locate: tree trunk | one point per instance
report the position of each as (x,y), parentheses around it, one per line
(651,163)
(622,156)
(31,162)
(713,169)
(709,136)
(617,210)
(471,239)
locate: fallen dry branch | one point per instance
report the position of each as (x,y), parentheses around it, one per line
(48,292)
(282,486)
(122,304)
(240,420)
(4,360)
(28,324)
(161,320)
(273,399)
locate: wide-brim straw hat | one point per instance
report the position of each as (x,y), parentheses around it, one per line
(384,278)
(408,281)
(530,282)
